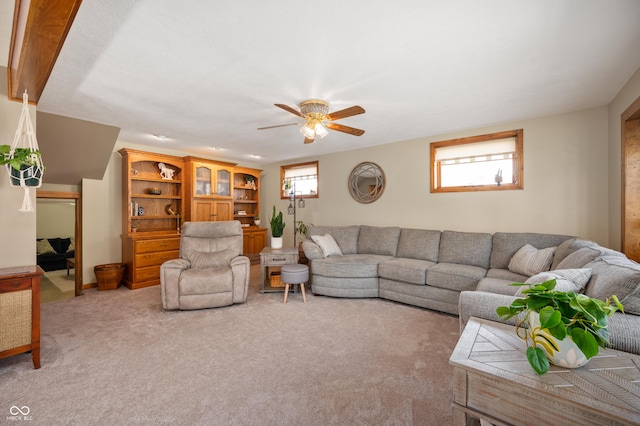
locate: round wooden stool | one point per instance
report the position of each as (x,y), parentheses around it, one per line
(294,274)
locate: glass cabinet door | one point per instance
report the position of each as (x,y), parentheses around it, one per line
(223,183)
(203,180)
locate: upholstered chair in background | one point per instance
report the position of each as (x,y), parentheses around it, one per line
(211,271)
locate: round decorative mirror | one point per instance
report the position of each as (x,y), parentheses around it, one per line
(366,182)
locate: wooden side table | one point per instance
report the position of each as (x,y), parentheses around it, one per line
(270,257)
(20,312)
(71,264)
(493,381)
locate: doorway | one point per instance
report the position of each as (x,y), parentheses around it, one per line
(75,262)
(631,181)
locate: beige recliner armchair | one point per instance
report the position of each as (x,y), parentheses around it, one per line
(211,271)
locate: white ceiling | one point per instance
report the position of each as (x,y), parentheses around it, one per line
(208,74)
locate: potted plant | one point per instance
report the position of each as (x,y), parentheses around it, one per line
(256,220)
(559,321)
(286,186)
(250,181)
(277,229)
(301,229)
(24,160)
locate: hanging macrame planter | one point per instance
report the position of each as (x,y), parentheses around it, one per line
(24,165)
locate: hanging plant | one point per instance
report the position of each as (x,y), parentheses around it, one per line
(23,159)
(22,165)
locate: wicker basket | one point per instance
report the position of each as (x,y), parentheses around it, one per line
(275,279)
(109,276)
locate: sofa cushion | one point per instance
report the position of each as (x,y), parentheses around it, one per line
(378,240)
(412,271)
(206,281)
(345,236)
(505,274)
(611,275)
(530,261)
(419,244)
(455,276)
(566,280)
(465,248)
(348,266)
(497,285)
(506,244)
(327,244)
(312,250)
(216,259)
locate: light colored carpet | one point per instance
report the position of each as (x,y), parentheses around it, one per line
(116,357)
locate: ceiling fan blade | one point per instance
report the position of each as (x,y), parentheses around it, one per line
(346,129)
(307,140)
(279,125)
(288,108)
(347,112)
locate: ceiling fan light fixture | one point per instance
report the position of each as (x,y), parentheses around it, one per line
(312,107)
(321,131)
(308,130)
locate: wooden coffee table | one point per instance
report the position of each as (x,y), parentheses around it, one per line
(493,381)
(71,264)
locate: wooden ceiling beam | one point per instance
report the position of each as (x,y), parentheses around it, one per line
(40,28)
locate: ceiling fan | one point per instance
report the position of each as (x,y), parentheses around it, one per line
(317,120)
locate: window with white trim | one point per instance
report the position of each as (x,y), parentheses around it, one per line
(302,176)
(490,162)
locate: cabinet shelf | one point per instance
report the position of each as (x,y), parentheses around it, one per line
(157,197)
(147,179)
(148,217)
(245,202)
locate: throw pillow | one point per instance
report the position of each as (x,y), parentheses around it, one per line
(327,244)
(566,279)
(530,261)
(43,247)
(72,245)
(215,259)
(579,258)
(64,245)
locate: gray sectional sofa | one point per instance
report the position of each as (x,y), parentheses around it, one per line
(464,273)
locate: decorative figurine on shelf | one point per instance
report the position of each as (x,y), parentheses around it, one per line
(166,172)
(498,177)
(170,210)
(250,182)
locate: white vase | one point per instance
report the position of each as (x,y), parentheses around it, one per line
(564,353)
(276,242)
(257,222)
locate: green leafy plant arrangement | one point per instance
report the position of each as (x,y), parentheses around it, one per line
(564,314)
(301,228)
(21,157)
(277,223)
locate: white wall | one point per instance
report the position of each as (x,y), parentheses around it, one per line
(18,246)
(102,219)
(565,185)
(55,219)
(629,93)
